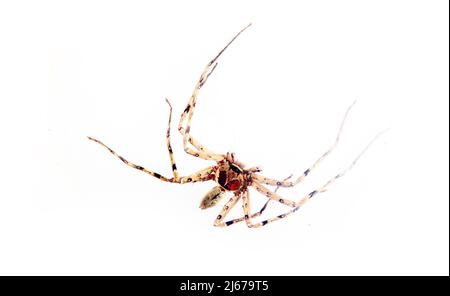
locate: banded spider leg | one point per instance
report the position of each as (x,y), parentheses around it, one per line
(301,202)
(219,222)
(202,175)
(284,183)
(274,196)
(201,152)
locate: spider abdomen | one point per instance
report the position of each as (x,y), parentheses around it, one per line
(212,197)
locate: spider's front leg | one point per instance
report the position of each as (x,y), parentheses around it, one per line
(188,112)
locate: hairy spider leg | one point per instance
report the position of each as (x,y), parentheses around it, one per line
(202,151)
(202,175)
(273,182)
(306,198)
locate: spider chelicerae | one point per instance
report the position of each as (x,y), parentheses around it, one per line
(229,173)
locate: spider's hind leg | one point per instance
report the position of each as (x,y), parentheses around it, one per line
(310,195)
(283,183)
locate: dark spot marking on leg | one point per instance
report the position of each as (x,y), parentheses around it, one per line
(189,179)
(196,155)
(139,168)
(200,82)
(311,194)
(263,208)
(281,216)
(264,222)
(278,183)
(219,217)
(157,175)
(228,223)
(170,149)
(306,173)
(295,209)
(174,167)
(188,129)
(123,159)
(281,200)
(187,109)
(246,217)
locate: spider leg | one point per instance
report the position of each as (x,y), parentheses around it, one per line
(201,152)
(273,182)
(246,207)
(307,197)
(257,214)
(169,146)
(226,209)
(202,175)
(272,195)
(254,215)
(276,197)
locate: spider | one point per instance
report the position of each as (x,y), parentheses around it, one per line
(230,174)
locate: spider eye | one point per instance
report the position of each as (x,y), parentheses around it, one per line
(212,198)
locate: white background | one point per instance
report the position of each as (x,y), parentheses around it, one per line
(69,69)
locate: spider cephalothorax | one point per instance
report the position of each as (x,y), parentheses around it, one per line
(230,174)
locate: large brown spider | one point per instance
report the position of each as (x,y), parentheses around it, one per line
(230,174)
